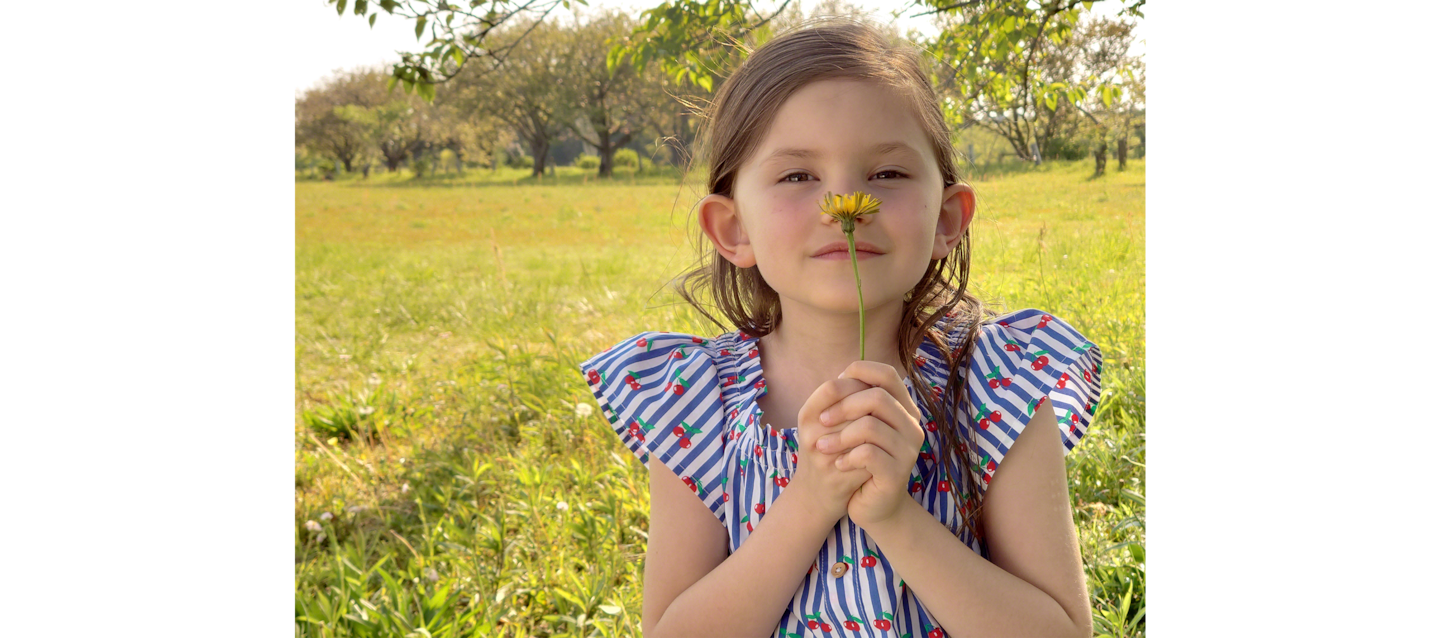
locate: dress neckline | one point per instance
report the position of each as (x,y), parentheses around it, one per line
(763,388)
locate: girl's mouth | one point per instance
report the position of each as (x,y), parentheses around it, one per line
(860,255)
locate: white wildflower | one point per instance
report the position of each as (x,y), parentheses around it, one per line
(355,509)
(320,538)
(366,410)
(313,526)
(344,357)
(374,379)
(562,506)
(325,516)
(583,410)
(431,575)
(405,488)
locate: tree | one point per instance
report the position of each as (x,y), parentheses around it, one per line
(1114,106)
(458,33)
(324,125)
(523,90)
(609,101)
(461,130)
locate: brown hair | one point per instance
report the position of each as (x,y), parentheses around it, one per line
(735,124)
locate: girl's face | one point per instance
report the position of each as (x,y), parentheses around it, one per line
(839,136)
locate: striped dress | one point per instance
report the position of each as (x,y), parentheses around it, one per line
(691,403)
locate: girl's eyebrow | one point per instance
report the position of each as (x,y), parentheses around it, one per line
(805,153)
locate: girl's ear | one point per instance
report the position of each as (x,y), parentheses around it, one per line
(721,222)
(957,209)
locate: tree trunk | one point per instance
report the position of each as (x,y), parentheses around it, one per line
(346,160)
(1100,159)
(366,170)
(539,149)
(1121,146)
(607,157)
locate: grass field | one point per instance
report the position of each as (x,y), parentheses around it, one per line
(445,484)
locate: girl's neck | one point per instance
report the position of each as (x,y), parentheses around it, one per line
(808,349)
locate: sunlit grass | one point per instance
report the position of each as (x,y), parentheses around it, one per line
(439,324)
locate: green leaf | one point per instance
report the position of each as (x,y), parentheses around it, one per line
(340,7)
(457,55)
(706,82)
(570,597)
(372,19)
(361,6)
(610,609)
(1138,553)
(419,27)
(1105,96)
(390,81)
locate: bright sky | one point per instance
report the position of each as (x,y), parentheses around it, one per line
(342,42)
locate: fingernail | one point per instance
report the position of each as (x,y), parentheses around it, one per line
(825,417)
(823,445)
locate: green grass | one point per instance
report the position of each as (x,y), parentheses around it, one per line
(439,323)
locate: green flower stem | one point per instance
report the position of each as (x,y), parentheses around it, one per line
(849,227)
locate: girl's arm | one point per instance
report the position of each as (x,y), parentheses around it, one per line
(1034,583)
(692,589)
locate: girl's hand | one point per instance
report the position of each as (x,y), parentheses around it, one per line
(878,430)
(825,486)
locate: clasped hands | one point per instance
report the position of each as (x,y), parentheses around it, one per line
(859,436)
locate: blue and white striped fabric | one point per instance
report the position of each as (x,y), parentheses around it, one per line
(691,403)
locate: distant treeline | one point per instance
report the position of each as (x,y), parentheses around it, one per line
(549,97)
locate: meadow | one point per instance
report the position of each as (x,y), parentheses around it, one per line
(449,480)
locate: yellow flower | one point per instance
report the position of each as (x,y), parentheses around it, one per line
(847,208)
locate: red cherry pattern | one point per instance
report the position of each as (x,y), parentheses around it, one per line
(870,560)
(637,428)
(779,481)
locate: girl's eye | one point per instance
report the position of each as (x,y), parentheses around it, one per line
(788,178)
(893,174)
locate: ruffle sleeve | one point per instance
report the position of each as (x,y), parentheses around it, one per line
(661,393)
(1021,360)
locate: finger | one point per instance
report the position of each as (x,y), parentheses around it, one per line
(866,429)
(876,402)
(828,394)
(867,457)
(883,376)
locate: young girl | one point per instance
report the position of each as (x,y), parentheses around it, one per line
(836,515)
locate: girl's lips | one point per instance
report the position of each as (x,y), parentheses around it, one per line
(860,255)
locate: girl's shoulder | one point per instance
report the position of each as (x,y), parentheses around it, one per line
(646,350)
(672,396)
(1019,331)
